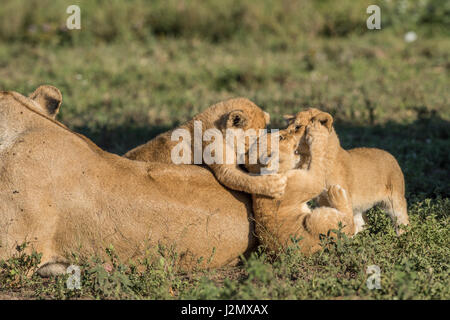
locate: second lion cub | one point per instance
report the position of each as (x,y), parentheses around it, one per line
(371,176)
(277,221)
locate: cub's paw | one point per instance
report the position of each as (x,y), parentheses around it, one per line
(337,197)
(316,132)
(274,185)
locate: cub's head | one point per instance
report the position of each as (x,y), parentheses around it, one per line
(297,125)
(281,156)
(240,118)
(241,113)
(289,155)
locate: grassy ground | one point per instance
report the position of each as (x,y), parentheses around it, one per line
(137,69)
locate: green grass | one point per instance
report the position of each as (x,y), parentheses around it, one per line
(137,69)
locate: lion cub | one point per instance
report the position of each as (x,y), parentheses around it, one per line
(239,113)
(370,176)
(278,221)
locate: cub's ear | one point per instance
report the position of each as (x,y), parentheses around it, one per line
(325,119)
(237,119)
(289,118)
(49,98)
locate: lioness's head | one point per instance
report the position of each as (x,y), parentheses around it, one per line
(285,152)
(297,125)
(45,100)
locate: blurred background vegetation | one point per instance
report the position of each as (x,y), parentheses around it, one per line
(215,21)
(137,68)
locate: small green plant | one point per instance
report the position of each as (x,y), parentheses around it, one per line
(15,271)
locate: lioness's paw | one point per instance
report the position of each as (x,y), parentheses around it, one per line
(274,185)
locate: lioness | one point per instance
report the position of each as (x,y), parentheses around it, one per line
(239,113)
(370,176)
(63,194)
(278,221)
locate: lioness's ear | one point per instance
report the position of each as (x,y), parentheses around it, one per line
(325,119)
(49,98)
(289,118)
(237,119)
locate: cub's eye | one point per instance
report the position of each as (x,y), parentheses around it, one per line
(297,127)
(281,138)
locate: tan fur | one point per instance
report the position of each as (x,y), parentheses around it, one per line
(278,221)
(239,113)
(63,194)
(370,176)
